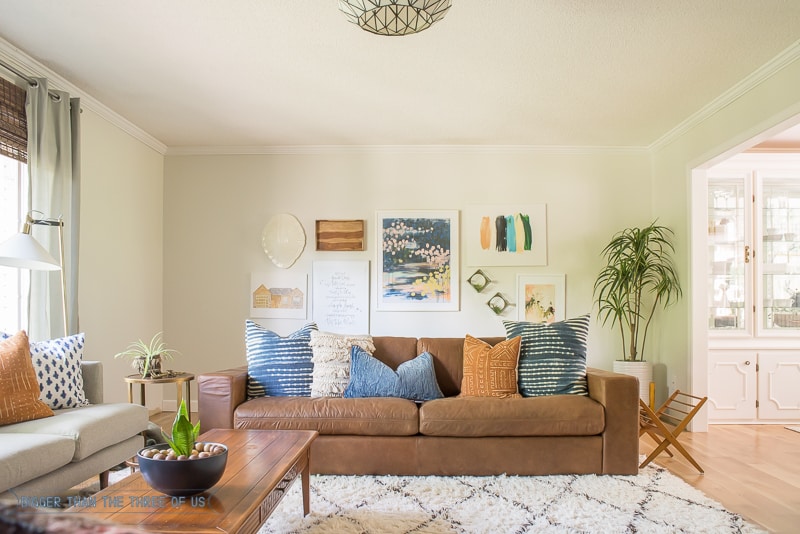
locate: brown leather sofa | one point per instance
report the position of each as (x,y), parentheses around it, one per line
(451,436)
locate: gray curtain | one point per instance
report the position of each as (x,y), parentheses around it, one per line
(54,175)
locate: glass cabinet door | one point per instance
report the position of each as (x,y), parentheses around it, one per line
(780,259)
(728,252)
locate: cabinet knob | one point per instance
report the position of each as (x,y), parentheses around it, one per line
(747,362)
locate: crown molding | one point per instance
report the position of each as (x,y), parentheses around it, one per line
(32,68)
(400,149)
(763,73)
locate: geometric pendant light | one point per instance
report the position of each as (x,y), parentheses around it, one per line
(394,17)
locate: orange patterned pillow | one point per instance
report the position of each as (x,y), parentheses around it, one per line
(19,389)
(490,371)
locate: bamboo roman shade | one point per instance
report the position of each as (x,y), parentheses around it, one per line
(13,122)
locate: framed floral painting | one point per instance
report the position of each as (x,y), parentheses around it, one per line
(541,299)
(417,263)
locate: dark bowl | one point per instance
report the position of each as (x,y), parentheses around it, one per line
(182,477)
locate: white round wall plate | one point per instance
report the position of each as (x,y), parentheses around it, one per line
(283,239)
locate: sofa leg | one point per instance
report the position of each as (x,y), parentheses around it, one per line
(104,479)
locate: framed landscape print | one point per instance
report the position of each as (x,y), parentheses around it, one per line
(541,299)
(505,235)
(417,263)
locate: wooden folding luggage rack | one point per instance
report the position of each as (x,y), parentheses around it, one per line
(666,424)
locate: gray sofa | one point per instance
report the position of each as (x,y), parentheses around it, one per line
(44,457)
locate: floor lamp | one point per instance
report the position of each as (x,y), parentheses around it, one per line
(24,252)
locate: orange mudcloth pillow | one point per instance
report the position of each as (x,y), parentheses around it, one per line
(490,371)
(19,389)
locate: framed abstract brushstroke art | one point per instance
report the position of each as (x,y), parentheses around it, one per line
(541,299)
(505,234)
(417,263)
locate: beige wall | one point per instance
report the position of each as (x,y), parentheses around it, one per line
(216,207)
(121,282)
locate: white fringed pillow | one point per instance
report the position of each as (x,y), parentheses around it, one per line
(331,358)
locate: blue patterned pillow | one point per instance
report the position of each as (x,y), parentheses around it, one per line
(57,363)
(278,366)
(370,377)
(552,359)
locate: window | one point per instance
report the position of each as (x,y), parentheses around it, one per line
(13,201)
(13,281)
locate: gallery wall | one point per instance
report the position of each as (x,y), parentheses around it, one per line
(215,208)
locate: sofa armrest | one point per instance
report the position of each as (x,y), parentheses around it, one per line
(92,372)
(218,395)
(619,395)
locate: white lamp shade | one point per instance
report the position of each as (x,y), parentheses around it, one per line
(23,251)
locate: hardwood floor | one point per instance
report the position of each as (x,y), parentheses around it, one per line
(753,470)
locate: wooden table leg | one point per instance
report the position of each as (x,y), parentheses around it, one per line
(189,398)
(141,395)
(305,479)
(130,393)
(179,395)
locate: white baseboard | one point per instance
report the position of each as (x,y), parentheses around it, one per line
(171,405)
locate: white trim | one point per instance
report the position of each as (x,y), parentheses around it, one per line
(32,68)
(698,305)
(766,71)
(171,405)
(399,149)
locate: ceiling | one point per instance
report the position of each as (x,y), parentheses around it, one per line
(265,73)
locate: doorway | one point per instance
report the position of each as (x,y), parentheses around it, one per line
(782,139)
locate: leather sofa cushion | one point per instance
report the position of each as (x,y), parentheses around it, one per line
(556,415)
(330,415)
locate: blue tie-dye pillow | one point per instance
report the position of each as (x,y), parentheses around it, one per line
(552,358)
(278,366)
(57,363)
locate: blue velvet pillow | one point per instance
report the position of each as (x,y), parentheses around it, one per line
(370,377)
(552,357)
(278,366)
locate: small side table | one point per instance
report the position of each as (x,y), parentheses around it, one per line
(179,379)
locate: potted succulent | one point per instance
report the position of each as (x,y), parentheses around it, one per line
(146,358)
(182,466)
(639,277)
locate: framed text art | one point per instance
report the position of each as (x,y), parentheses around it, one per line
(340,296)
(417,263)
(541,299)
(278,295)
(505,234)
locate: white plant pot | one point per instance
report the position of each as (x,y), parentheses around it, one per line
(641,370)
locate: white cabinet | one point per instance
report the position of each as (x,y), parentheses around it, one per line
(754,386)
(753,281)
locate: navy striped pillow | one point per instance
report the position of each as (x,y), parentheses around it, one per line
(552,359)
(278,366)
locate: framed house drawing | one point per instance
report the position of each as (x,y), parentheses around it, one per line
(541,299)
(278,295)
(505,234)
(417,261)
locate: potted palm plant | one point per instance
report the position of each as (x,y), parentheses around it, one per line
(146,358)
(639,277)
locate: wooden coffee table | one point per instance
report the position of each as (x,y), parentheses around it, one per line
(261,466)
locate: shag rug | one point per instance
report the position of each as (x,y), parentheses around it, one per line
(652,501)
